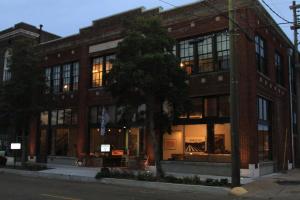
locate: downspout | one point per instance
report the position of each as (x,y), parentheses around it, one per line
(290,53)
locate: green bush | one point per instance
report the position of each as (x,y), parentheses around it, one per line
(146,176)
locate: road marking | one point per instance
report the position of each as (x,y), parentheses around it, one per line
(58,197)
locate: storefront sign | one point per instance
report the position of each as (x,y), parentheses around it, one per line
(105,148)
(15,146)
(117,152)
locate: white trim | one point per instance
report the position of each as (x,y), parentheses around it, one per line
(104,46)
(17,31)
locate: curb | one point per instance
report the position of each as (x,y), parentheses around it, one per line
(39,174)
(166,186)
(122,182)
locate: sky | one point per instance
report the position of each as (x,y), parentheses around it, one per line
(66,17)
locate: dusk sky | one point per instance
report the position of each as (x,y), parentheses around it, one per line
(66,17)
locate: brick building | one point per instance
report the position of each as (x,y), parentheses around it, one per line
(76,66)
(7,38)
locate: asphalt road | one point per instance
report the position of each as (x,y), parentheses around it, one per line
(14,187)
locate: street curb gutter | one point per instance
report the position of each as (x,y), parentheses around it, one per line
(123,182)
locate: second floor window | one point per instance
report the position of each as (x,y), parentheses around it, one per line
(62,78)
(260,50)
(101,67)
(279,68)
(205,54)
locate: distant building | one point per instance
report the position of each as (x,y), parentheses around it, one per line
(76,68)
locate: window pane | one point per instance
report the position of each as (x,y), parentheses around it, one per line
(186,50)
(197,112)
(223,51)
(75,76)
(224,106)
(93,115)
(48,79)
(44,118)
(60,117)
(56,79)
(205,55)
(66,77)
(54,117)
(210,107)
(68,117)
(97,72)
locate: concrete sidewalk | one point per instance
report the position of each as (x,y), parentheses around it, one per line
(276,186)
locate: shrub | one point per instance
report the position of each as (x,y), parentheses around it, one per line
(3,161)
(146,176)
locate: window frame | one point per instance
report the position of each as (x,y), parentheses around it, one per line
(103,70)
(261,54)
(61,79)
(195,60)
(279,68)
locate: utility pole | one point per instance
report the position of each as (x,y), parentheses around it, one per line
(234,105)
(295,27)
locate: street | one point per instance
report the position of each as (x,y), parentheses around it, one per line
(13,187)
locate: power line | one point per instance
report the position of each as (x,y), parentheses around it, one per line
(275,12)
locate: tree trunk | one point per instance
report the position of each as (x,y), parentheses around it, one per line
(24,148)
(151,130)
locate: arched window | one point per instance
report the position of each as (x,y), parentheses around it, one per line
(7,61)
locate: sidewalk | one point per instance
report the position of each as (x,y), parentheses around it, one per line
(276,186)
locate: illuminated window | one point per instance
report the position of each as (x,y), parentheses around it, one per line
(44,118)
(7,63)
(63,78)
(186,55)
(98,72)
(66,77)
(101,67)
(205,55)
(264,130)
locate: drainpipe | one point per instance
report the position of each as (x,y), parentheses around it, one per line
(290,54)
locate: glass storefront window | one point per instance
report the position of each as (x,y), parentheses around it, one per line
(202,142)
(44,118)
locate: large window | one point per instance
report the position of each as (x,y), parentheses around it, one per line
(101,67)
(205,54)
(7,62)
(264,130)
(279,68)
(63,78)
(209,107)
(98,112)
(187,55)
(61,117)
(202,142)
(260,49)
